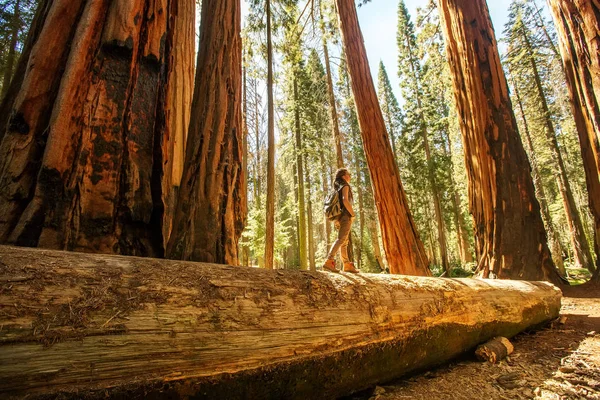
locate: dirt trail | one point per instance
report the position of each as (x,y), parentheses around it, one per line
(560,361)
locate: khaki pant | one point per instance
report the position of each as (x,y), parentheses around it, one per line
(343,226)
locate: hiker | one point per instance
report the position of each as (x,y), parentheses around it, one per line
(343,222)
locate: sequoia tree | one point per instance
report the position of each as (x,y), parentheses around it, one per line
(211,207)
(404,250)
(510,239)
(91,122)
(578,26)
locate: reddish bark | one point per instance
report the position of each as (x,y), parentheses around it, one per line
(87,144)
(578,26)
(211,211)
(510,236)
(404,250)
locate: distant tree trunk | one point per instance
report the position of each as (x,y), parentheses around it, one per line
(337,136)
(361,208)
(310,228)
(325,176)
(257,135)
(12,50)
(301,178)
(270,224)
(211,212)
(459,221)
(87,158)
(404,250)
(437,203)
(510,236)
(245,249)
(539,191)
(578,26)
(581,248)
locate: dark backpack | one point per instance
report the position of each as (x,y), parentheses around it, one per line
(333,206)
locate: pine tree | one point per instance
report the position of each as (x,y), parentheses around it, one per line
(410,71)
(392,113)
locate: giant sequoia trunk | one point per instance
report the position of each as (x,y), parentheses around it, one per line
(95,326)
(509,232)
(97,107)
(211,207)
(578,26)
(403,247)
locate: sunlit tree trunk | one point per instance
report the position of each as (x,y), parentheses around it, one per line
(270,200)
(578,26)
(96,105)
(325,177)
(258,178)
(211,207)
(404,250)
(509,232)
(309,220)
(301,178)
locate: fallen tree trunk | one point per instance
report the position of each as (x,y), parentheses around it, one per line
(80,325)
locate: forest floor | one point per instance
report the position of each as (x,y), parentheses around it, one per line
(560,361)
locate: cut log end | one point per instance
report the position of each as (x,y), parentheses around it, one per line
(495,350)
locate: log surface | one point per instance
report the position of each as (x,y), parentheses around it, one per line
(74,325)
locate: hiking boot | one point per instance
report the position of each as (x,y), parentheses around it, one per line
(349,267)
(329,266)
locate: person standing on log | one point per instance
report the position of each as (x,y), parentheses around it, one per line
(343,224)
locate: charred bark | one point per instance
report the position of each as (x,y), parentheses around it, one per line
(86,157)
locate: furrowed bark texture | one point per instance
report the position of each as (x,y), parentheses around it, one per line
(578,25)
(81,162)
(403,247)
(211,207)
(509,233)
(97,326)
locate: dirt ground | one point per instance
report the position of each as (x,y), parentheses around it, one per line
(560,361)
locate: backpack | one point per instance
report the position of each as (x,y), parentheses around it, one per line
(333,206)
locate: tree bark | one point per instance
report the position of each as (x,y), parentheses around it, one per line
(325,177)
(509,232)
(211,211)
(12,50)
(301,178)
(86,156)
(270,207)
(309,221)
(539,191)
(578,26)
(404,250)
(94,326)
